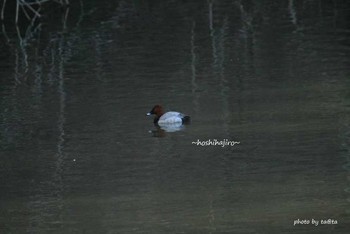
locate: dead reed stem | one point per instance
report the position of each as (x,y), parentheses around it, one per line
(23,5)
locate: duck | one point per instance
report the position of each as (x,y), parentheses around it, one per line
(167,118)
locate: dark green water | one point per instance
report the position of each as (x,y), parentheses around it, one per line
(78,154)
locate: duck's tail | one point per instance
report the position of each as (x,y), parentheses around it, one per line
(186,119)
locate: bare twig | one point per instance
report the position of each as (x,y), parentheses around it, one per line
(17,6)
(25,12)
(4,32)
(3,9)
(30,7)
(64,19)
(24,4)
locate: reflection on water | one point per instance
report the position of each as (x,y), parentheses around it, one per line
(161,131)
(78,155)
(172,127)
(345,148)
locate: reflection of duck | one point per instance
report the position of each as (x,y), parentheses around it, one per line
(158,132)
(171,121)
(161,130)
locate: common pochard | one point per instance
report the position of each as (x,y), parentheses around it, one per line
(171,117)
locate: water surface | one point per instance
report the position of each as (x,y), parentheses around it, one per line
(78,154)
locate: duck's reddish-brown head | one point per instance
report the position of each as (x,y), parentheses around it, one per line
(156,110)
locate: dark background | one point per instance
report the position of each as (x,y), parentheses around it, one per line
(78,154)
